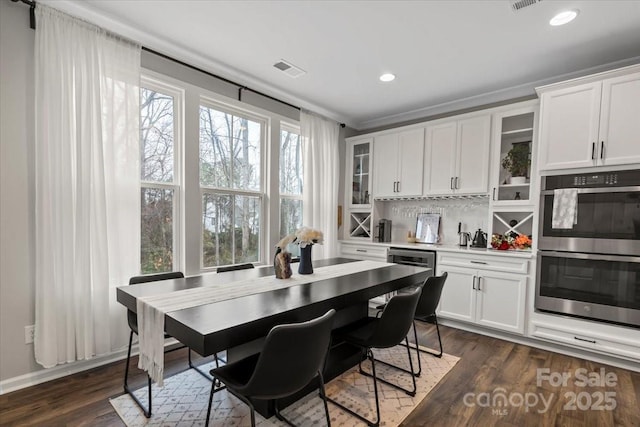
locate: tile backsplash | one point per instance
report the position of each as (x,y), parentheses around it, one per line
(472,212)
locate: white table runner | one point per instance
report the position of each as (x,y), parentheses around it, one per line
(151,309)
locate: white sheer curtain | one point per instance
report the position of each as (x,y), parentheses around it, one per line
(321,176)
(87,186)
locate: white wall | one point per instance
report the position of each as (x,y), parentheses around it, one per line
(16,190)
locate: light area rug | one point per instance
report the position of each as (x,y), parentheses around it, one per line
(182,402)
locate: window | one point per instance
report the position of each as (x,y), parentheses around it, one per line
(231,164)
(290,180)
(158,178)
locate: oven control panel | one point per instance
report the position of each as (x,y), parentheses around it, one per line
(591,180)
(628,178)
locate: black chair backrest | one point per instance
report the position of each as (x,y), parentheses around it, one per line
(430,298)
(291,357)
(234,267)
(132,318)
(396,320)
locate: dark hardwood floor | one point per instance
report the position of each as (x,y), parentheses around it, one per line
(463,398)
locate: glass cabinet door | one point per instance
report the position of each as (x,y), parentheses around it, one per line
(515,158)
(360,179)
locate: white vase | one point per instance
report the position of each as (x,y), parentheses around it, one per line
(518,180)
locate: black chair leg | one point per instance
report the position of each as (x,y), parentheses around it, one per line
(197,368)
(213,386)
(323,395)
(408,371)
(435,321)
(415,337)
(279,415)
(147,412)
(370,423)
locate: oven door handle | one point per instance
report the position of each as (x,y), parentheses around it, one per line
(417,264)
(629,189)
(598,257)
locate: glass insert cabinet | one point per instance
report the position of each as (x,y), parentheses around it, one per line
(514,160)
(358,172)
(360,154)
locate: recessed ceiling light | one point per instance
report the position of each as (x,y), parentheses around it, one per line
(387,77)
(564,17)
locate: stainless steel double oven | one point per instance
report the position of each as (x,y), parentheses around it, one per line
(592,270)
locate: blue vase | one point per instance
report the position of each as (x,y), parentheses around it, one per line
(305,267)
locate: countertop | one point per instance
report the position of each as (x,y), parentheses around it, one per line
(443,248)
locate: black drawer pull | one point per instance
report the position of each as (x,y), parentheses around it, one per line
(478,262)
(361,250)
(585,340)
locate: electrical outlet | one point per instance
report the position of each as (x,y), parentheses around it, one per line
(29,334)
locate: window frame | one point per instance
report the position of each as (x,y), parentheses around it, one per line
(288,127)
(177,185)
(262,193)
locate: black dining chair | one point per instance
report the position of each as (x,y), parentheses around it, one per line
(132,319)
(293,355)
(386,331)
(234,267)
(426,312)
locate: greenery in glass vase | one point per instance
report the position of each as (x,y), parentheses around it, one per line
(517,160)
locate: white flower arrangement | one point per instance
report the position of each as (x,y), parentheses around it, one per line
(304,236)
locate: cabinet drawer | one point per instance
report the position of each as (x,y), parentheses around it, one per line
(588,340)
(376,253)
(480,262)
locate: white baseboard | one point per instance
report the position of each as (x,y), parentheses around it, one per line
(59,371)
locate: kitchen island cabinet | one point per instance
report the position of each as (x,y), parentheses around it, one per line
(592,121)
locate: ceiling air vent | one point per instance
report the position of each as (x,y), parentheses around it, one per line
(289,69)
(517,5)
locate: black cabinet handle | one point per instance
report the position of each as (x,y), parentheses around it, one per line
(494,194)
(473,282)
(361,250)
(593,151)
(478,262)
(456,185)
(394,186)
(582,339)
(479,287)
(602,149)
(451,183)
(398,186)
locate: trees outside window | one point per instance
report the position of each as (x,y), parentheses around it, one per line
(231,159)
(158,178)
(291,184)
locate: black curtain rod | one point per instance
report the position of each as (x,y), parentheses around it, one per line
(32,19)
(240,87)
(32,11)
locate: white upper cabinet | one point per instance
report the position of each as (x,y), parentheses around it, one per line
(591,124)
(440,153)
(620,120)
(457,156)
(397,164)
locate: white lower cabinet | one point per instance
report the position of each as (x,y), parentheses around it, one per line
(363,251)
(478,294)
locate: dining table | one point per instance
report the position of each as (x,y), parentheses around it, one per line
(238,324)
